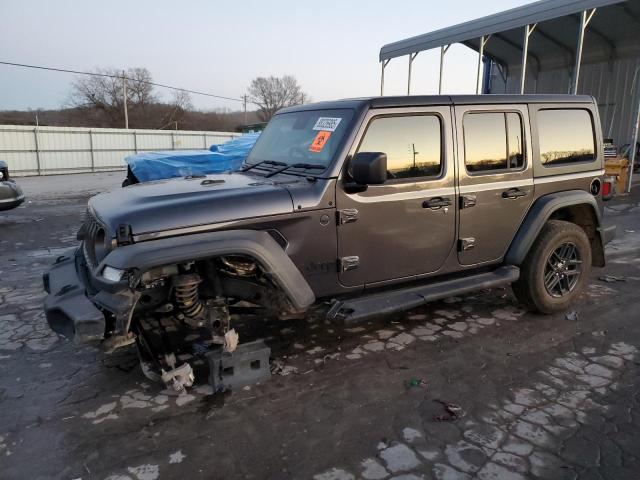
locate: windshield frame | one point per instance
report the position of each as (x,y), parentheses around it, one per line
(255,163)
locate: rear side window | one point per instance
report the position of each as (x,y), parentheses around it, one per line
(565,136)
(493,141)
(413,144)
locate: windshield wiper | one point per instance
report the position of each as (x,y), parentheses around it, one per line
(264,162)
(307,166)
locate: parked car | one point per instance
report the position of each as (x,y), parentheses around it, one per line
(151,166)
(10,193)
(382,203)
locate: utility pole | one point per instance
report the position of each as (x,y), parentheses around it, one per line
(124,96)
(413,148)
(245,108)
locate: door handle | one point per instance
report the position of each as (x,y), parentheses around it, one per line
(436,203)
(513,193)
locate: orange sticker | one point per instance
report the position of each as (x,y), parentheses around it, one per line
(320,141)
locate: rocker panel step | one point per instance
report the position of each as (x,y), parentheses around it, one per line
(388,302)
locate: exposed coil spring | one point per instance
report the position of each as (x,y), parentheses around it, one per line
(186,292)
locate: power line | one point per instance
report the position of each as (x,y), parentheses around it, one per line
(78,72)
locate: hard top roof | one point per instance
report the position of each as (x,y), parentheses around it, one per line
(426,100)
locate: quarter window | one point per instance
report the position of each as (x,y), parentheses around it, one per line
(566,136)
(493,141)
(413,144)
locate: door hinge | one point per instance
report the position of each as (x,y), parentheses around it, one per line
(349,263)
(467,201)
(348,215)
(466,244)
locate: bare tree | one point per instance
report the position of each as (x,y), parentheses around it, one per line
(104,91)
(271,94)
(174,112)
(139,91)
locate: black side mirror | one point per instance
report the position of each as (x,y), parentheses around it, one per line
(369,168)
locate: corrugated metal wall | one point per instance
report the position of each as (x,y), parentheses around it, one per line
(50,150)
(611,83)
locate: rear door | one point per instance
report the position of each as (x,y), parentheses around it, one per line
(495,179)
(406,226)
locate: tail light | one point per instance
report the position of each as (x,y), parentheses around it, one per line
(608,188)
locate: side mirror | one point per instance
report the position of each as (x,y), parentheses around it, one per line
(369,168)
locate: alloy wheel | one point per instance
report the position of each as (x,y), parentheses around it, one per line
(562,270)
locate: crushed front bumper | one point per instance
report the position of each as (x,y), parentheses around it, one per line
(68,310)
(77,311)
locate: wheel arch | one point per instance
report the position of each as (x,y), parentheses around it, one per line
(256,244)
(576,206)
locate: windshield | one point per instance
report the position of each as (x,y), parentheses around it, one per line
(310,137)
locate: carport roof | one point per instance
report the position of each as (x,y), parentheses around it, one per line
(554,38)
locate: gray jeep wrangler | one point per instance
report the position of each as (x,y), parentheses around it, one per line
(378,204)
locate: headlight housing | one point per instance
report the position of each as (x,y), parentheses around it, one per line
(112,274)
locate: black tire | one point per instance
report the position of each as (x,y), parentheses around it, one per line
(546,261)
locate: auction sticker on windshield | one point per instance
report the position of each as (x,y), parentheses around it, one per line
(328,124)
(320,141)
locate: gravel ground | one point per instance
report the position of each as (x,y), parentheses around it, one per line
(539,397)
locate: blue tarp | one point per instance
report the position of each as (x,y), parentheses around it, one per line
(228,156)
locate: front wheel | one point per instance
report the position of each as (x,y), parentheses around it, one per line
(556,268)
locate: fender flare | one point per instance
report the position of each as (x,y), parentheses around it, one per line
(253,243)
(538,215)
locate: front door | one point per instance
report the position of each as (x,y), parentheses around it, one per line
(495,179)
(406,226)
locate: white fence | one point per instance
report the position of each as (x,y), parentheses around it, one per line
(33,150)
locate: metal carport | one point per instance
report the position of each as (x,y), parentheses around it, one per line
(587,47)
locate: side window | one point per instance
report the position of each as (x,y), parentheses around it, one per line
(413,144)
(493,141)
(565,136)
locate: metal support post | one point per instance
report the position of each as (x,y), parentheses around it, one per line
(528,30)
(483,43)
(35,136)
(383,64)
(585,18)
(93,162)
(443,50)
(412,57)
(633,148)
(244,98)
(124,97)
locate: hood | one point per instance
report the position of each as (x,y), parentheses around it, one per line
(187,202)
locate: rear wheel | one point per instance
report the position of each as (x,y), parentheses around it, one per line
(556,268)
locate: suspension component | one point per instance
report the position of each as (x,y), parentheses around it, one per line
(239,266)
(187,297)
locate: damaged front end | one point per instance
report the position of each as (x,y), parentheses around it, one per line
(178,315)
